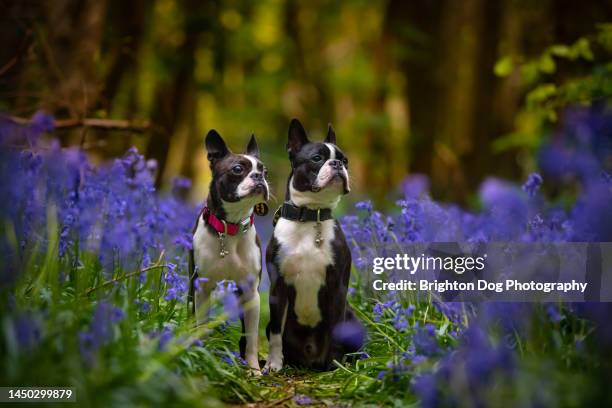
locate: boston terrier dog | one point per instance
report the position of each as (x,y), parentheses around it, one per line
(225,243)
(309,262)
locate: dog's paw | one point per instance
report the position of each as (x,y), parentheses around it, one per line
(253,365)
(255,372)
(273,366)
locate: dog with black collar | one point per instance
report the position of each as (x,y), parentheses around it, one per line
(225,243)
(309,262)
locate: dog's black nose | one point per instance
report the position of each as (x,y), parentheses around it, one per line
(257,176)
(336,164)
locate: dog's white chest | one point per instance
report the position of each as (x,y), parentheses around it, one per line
(243,258)
(303,264)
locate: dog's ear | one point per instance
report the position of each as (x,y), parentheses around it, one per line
(331,135)
(216,147)
(297,137)
(252,148)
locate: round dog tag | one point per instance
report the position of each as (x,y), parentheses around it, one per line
(261,209)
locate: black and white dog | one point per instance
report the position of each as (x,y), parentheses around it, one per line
(225,243)
(309,262)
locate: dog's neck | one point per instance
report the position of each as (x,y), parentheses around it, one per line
(233,212)
(238,211)
(326,198)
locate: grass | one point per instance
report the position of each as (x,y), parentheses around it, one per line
(54,334)
(149,356)
(133,368)
(350,383)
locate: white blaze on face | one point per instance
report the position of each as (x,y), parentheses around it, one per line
(245,187)
(327,172)
(237,211)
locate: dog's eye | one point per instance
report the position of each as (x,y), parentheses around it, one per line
(345,162)
(265,173)
(316,158)
(237,169)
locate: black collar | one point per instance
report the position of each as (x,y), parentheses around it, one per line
(292,212)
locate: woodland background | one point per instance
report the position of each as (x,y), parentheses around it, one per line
(433,87)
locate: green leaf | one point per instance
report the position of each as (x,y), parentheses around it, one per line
(504,66)
(547,64)
(541,93)
(583,49)
(560,50)
(515,140)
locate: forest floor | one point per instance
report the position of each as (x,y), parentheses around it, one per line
(350,384)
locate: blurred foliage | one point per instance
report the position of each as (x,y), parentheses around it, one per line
(411,87)
(562,76)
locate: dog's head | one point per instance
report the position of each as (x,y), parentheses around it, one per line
(319,174)
(238,180)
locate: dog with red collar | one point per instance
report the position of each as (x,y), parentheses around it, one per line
(225,243)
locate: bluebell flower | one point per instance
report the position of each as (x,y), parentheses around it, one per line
(42,122)
(425,387)
(400,324)
(532,185)
(164,338)
(27,330)
(350,333)
(100,330)
(302,399)
(378,311)
(144,306)
(180,185)
(198,282)
(553,312)
(231,306)
(364,206)
(233,359)
(415,186)
(424,340)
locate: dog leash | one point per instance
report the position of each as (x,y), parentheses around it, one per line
(292,212)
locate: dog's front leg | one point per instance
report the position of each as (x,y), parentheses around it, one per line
(278,314)
(250,304)
(202,302)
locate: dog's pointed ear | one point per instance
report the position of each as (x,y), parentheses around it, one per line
(297,137)
(252,148)
(216,147)
(331,135)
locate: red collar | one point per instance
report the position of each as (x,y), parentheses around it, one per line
(223,227)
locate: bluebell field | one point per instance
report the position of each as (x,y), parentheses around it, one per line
(93,284)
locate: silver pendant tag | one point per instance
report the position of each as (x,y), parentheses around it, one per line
(318,230)
(222,250)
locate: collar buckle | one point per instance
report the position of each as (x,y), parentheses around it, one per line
(302,214)
(224,233)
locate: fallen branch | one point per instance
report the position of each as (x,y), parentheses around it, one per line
(105,124)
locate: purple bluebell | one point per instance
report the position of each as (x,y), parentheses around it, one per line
(302,399)
(532,185)
(350,333)
(425,341)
